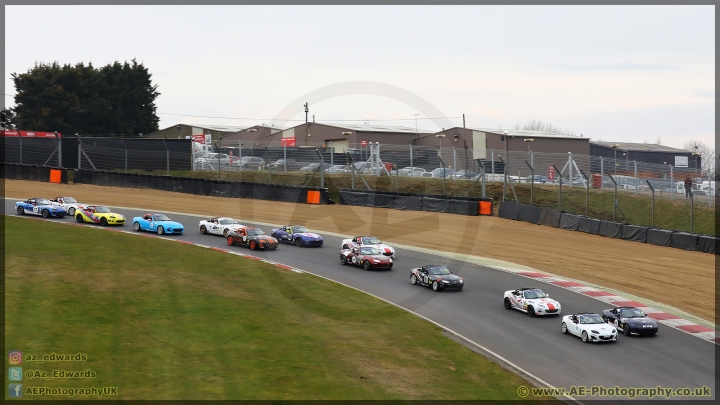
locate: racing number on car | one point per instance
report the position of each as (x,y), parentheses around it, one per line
(354,259)
(36,209)
(425,278)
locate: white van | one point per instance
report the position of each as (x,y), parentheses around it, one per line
(200,150)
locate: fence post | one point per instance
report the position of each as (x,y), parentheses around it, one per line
(492,162)
(59,146)
(602,174)
(125,147)
(322,168)
(284,158)
(652,206)
(532,181)
(482,167)
(397,175)
(614,197)
(20,139)
(570,167)
(412,171)
(167,158)
(560,194)
(532,156)
(636,177)
(218,156)
(692,211)
(504,177)
(79,154)
(587,191)
(672,183)
(454,168)
(444,173)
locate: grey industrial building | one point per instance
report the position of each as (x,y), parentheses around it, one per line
(181,131)
(645,153)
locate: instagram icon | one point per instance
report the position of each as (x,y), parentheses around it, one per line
(15,358)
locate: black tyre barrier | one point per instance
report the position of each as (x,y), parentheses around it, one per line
(463,207)
(408,202)
(706,244)
(589,225)
(381,200)
(634,232)
(509,210)
(549,217)
(610,229)
(659,237)
(684,240)
(569,221)
(435,204)
(528,213)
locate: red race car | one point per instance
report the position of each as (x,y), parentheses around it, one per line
(369,257)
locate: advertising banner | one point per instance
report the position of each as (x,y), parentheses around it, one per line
(290,141)
(29,134)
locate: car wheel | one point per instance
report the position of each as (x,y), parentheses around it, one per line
(136,226)
(584,337)
(343,259)
(225,232)
(563,328)
(203,230)
(79,218)
(346,247)
(160,230)
(626,330)
(253,245)
(531,311)
(436,286)
(299,242)
(71,212)
(45,213)
(21,211)
(413,279)
(103,222)
(366,265)
(507,303)
(230,240)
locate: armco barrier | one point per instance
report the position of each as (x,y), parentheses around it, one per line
(569,221)
(218,188)
(659,237)
(589,225)
(684,240)
(610,229)
(634,232)
(706,244)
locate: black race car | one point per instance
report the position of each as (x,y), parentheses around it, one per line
(437,277)
(631,320)
(253,238)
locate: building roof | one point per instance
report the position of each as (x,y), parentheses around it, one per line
(378,128)
(528,133)
(221,128)
(640,147)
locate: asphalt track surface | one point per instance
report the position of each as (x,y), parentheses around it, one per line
(672,359)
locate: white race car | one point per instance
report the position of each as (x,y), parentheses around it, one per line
(589,326)
(219,226)
(70,204)
(532,301)
(368,241)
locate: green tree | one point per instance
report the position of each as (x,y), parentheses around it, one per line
(118,98)
(8,118)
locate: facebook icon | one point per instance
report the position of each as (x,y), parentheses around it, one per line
(15,390)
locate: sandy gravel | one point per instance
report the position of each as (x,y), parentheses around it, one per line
(685,280)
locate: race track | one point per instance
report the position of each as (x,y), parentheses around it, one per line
(673,359)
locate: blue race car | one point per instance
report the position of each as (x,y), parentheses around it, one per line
(157,223)
(39,206)
(297,235)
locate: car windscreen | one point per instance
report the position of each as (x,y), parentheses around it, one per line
(590,319)
(228,221)
(102,210)
(369,251)
(631,313)
(43,201)
(370,241)
(255,232)
(299,229)
(160,217)
(532,294)
(438,271)
(69,200)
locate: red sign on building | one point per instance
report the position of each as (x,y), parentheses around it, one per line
(290,141)
(551,173)
(363,143)
(29,134)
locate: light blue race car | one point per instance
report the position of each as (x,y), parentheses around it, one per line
(39,206)
(157,223)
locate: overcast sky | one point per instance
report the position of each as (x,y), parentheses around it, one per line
(612,73)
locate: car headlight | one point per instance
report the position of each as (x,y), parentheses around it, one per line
(595,332)
(445,282)
(461,280)
(376,261)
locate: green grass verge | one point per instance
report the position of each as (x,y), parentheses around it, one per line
(669,214)
(162,320)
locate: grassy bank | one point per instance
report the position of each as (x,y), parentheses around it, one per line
(634,209)
(162,320)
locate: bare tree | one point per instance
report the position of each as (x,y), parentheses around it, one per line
(538,125)
(708,162)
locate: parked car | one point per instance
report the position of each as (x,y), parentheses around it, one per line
(213,159)
(538,179)
(286,164)
(250,162)
(314,166)
(465,174)
(416,171)
(442,172)
(337,169)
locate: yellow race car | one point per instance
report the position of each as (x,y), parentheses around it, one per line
(98,214)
